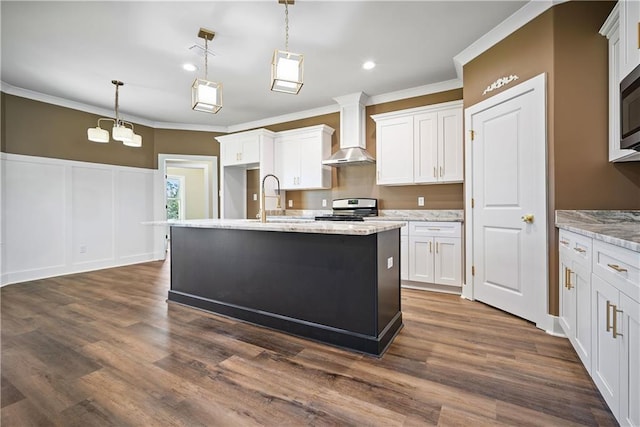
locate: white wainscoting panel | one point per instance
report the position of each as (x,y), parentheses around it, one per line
(61,216)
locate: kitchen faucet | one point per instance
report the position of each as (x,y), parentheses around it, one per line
(263,211)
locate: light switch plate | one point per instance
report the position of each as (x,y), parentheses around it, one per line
(420,201)
(389,263)
(324,203)
(255,197)
(290,203)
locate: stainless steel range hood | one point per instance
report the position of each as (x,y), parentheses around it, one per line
(352,133)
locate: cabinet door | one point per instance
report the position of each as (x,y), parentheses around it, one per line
(287,162)
(450,145)
(629,28)
(394,151)
(229,153)
(310,161)
(250,151)
(404,257)
(605,368)
(567,295)
(581,289)
(630,363)
(448,261)
(425,148)
(421,259)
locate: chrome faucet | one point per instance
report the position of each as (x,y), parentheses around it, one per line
(263,199)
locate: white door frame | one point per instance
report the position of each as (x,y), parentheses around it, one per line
(160,194)
(537,84)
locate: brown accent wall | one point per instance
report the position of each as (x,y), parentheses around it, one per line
(360,181)
(188,142)
(253,187)
(36,128)
(564,43)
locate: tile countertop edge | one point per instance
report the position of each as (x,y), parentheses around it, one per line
(624,233)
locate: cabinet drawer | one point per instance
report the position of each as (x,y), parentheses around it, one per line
(618,266)
(577,246)
(434,229)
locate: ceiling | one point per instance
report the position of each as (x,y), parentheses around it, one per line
(72,50)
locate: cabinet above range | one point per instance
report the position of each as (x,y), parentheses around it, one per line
(421,145)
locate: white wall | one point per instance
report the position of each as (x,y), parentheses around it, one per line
(61,217)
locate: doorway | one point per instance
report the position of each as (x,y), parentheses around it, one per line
(506,201)
(197,177)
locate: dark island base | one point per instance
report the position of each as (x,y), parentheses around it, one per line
(342,290)
(375,346)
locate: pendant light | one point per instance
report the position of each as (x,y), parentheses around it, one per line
(206,96)
(287,67)
(122,131)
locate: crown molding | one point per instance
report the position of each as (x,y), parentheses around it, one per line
(517,20)
(299,115)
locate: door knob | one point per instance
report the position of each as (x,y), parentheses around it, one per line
(528,218)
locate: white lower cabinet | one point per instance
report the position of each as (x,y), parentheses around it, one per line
(603,324)
(435,253)
(404,253)
(575,292)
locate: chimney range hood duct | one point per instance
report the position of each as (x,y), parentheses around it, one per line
(352,133)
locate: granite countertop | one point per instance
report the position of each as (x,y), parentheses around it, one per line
(293,225)
(435,215)
(620,228)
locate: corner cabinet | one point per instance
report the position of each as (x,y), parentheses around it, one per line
(600,313)
(618,68)
(298,158)
(420,145)
(240,148)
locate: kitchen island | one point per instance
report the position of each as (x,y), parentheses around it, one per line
(337,283)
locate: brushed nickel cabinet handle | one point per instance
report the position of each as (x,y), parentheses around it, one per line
(441,172)
(617,268)
(569,284)
(437,244)
(580,250)
(609,316)
(430,247)
(564,242)
(435,172)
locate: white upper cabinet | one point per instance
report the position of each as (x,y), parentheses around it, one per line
(394,150)
(420,145)
(240,148)
(298,158)
(629,36)
(612,31)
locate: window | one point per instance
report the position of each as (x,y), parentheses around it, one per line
(175,197)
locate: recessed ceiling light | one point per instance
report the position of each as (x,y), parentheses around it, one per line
(189,67)
(368,65)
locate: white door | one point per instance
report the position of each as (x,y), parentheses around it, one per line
(507,159)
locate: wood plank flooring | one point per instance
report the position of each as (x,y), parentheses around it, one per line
(104,348)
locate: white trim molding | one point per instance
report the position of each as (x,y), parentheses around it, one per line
(519,19)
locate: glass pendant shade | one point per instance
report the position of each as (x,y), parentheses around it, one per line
(136,141)
(206,96)
(122,133)
(287,70)
(98,134)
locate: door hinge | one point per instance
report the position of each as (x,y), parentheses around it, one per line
(473,203)
(473,134)
(473,270)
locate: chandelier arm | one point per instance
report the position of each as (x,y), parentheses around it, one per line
(105,118)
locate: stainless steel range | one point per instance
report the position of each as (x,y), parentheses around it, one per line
(351,210)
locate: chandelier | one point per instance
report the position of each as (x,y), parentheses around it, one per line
(286,67)
(122,131)
(206,96)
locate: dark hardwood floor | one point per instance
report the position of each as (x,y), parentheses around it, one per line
(104,348)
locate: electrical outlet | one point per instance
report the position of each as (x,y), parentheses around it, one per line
(389,263)
(420,201)
(255,197)
(290,203)
(324,203)
(83,249)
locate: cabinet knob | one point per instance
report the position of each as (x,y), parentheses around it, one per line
(528,218)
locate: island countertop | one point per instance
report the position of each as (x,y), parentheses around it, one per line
(294,226)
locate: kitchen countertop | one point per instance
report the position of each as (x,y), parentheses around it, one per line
(435,215)
(290,225)
(620,228)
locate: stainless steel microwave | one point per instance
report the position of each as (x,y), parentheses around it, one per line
(630,111)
